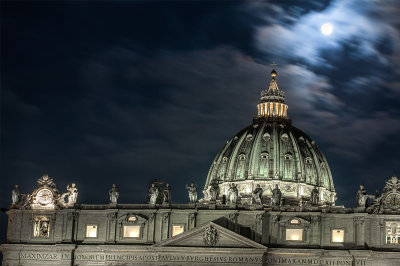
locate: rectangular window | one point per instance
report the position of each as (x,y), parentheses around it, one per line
(393,232)
(91,231)
(41,226)
(337,235)
(294,234)
(177,229)
(132,231)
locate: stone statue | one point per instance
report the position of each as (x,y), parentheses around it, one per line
(362,197)
(192,190)
(233,194)
(72,194)
(15,195)
(114,194)
(257,194)
(44,229)
(214,190)
(314,196)
(276,196)
(153,194)
(167,194)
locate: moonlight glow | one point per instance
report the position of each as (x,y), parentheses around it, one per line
(327,29)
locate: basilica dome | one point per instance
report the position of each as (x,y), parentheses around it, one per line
(272,152)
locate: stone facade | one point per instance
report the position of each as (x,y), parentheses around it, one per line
(238,235)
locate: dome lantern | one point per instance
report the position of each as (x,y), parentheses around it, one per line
(272,102)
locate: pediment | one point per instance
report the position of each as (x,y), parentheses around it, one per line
(210,234)
(295,220)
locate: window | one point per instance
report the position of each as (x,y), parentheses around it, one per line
(91,231)
(337,236)
(393,232)
(249,137)
(41,226)
(294,234)
(177,229)
(294,221)
(132,231)
(132,219)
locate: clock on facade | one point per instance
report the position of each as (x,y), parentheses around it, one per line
(392,200)
(44,196)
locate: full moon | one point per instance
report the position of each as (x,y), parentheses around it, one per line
(327,29)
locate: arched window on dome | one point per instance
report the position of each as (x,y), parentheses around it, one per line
(222,168)
(249,137)
(324,174)
(288,166)
(285,137)
(266,136)
(309,170)
(264,163)
(240,166)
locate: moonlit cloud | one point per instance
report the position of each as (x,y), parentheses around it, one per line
(351,21)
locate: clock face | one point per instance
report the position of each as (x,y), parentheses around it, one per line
(393,200)
(44,196)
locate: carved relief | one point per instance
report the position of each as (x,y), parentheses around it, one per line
(275,219)
(152,216)
(112,216)
(259,218)
(389,200)
(166,216)
(41,226)
(72,215)
(359,220)
(315,220)
(233,217)
(210,236)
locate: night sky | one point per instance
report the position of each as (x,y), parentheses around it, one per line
(106,92)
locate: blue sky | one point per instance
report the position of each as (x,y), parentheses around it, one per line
(124,92)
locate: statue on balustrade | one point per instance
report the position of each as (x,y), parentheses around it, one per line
(257,194)
(362,197)
(16,195)
(72,194)
(114,194)
(233,194)
(276,196)
(153,194)
(214,190)
(192,190)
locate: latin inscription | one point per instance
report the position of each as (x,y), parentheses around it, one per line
(190,258)
(38,256)
(167,257)
(313,261)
